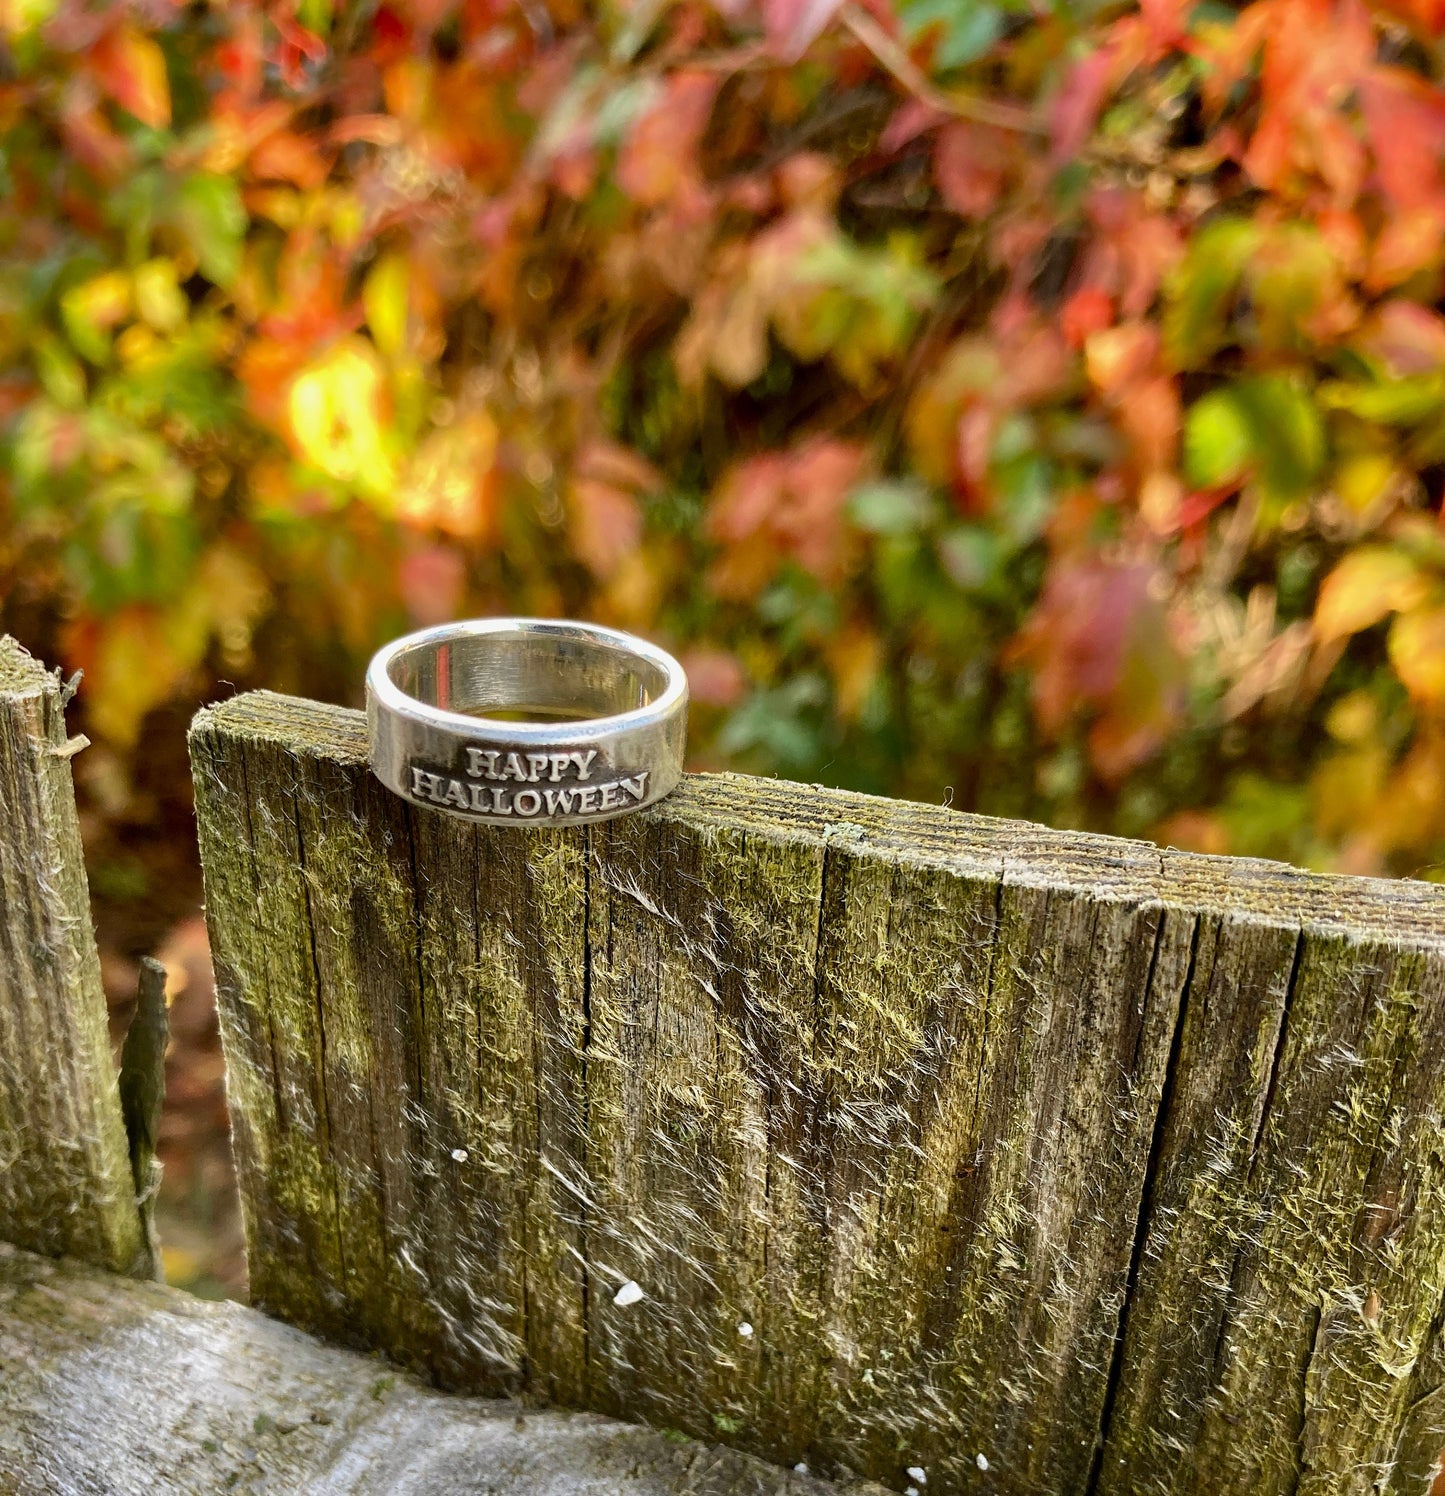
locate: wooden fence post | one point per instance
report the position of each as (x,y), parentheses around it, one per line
(65,1176)
(856,1133)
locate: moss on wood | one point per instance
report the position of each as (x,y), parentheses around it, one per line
(65,1176)
(857,1133)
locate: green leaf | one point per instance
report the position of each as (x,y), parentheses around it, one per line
(1218,441)
(1027,495)
(1288,434)
(59,370)
(972,556)
(1195,319)
(1396,402)
(965,29)
(210,215)
(1269,425)
(889,507)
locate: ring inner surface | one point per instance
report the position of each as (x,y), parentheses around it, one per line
(527,677)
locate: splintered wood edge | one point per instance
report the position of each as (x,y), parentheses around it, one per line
(20,672)
(912,834)
(138,1380)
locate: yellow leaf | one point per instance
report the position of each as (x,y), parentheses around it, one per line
(1367,586)
(1361,480)
(158,295)
(386,299)
(1417,651)
(19,16)
(236,594)
(337,410)
(93,309)
(1354,718)
(143,653)
(1345,788)
(447,482)
(855,657)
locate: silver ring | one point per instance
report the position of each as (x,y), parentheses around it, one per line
(526,721)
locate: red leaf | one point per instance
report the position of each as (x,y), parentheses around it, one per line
(792,26)
(1098,641)
(909,121)
(1405,116)
(746,496)
(240,58)
(971,166)
(1087,310)
(1164,23)
(606,525)
(780,505)
(89,137)
(1076,105)
(660,153)
(606,516)
(1407,338)
(432,580)
(714,676)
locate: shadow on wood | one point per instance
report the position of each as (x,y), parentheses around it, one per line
(121,1387)
(858,1133)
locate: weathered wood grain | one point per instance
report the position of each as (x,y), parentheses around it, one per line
(129,1389)
(1038,1161)
(65,1177)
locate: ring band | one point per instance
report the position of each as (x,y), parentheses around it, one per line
(526,721)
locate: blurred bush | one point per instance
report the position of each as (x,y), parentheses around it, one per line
(1039,407)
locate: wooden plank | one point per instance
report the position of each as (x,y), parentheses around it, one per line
(65,1175)
(862,1134)
(111,1385)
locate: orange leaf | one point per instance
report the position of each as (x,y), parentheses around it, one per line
(1417,651)
(1408,243)
(131,68)
(1367,586)
(1151,417)
(288,157)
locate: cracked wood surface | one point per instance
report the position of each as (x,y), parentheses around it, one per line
(115,1388)
(1040,1161)
(65,1176)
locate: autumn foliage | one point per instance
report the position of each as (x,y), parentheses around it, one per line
(1039,406)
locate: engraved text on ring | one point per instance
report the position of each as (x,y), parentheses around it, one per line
(493,777)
